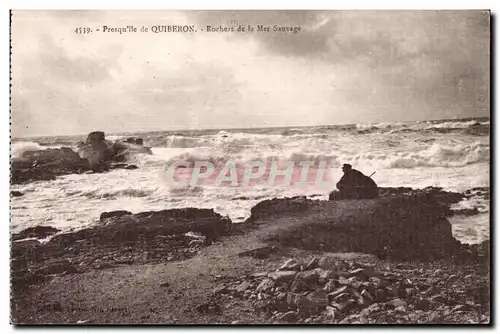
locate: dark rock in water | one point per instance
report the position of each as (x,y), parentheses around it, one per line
(47,164)
(131,167)
(35,232)
(122,149)
(478,129)
(95,138)
(134,140)
(114,214)
(15,193)
(95,154)
(392,227)
(437,193)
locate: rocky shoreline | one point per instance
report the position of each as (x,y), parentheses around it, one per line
(404,234)
(95,155)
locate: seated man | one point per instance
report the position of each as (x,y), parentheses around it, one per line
(356,185)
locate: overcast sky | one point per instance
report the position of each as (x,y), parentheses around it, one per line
(342,67)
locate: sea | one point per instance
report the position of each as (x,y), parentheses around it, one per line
(452,154)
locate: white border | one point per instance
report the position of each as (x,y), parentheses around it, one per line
(185,4)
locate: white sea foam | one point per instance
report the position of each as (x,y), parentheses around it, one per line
(19,148)
(415,158)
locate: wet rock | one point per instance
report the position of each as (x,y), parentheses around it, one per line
(38,232)
(113,214)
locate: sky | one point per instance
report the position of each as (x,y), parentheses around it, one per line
(343,67)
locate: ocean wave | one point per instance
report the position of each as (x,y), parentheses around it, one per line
(439,156)
(126,192)
(19,148)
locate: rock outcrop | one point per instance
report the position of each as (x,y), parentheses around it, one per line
(95,154)
(121,238)
(38,232)
(395,227)
(47,164)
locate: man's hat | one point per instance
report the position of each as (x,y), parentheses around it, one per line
(347,166)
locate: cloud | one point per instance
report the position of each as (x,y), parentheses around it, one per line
(342,67)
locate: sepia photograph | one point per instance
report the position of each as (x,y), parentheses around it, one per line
(244,167)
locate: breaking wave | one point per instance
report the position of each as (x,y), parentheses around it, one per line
(19,148)
(435,156)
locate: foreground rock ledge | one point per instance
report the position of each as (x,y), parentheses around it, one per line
(122,238)
(395,228)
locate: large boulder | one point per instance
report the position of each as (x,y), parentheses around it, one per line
(100,151)
(96,150)
(46,165)
(277,207)
(395,227)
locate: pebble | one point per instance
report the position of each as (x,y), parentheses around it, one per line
(331,312)
(243,287)
(397,302)
(282,275)
(330,286)
(423,304)
(400,309)
(341,297)
(337,292)
(459,308)
(266,285)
